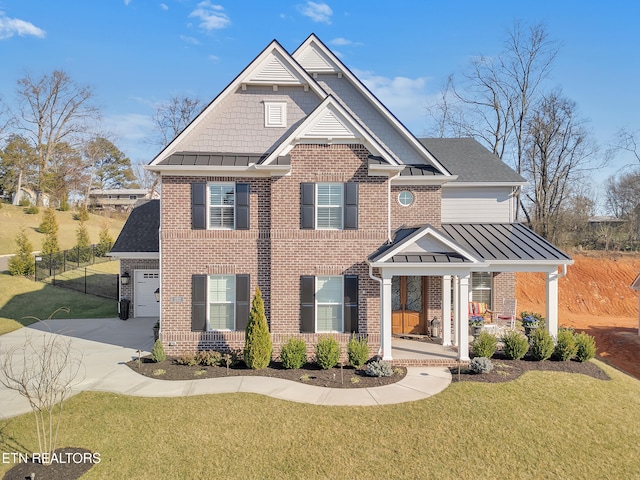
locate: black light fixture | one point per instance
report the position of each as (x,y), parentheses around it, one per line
(157,294)
(125,278)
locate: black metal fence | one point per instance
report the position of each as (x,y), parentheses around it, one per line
(88,281)
(55,264)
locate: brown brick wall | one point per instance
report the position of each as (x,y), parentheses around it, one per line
(129,265)
(504,287)
(426,206)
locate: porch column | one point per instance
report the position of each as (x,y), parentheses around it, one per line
(552,303)
(456,310)
(385,334)
(446,310)
(463,314)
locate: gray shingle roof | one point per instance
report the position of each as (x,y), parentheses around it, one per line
(140,232)
(469,160)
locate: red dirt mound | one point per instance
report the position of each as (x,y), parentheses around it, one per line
(595,297)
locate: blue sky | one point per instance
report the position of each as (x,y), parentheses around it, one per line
(136,53)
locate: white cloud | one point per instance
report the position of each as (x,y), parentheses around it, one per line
(405,97)
(14,26)
(212,16)
(191,40)
(214,58)
(341,42)
(132,132)
(127,2)
(318,12)
(164,6)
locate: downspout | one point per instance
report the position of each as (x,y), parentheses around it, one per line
(564,271)
(389,239)
(379,280)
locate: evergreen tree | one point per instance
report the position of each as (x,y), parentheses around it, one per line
(50,243)
(258,347)
(106,241)
(81,253)
(22,262)
(49,222)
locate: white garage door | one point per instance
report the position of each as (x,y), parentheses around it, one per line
(147,281)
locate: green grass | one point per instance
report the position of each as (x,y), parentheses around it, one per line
(542,425)
(13,217)
(21,297)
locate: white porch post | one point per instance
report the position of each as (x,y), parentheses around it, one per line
(463,314)
(552,303)
(385,334)
(456,310)
(446,310)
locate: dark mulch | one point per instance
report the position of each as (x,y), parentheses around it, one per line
(505,370)
(310,374)
(71,463)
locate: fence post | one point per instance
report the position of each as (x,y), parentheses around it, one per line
(85,280)
(50,264)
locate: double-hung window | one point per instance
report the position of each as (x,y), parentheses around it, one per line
(219,302)
(222,300)
(222,206)
(329,304)
(329,206)
(329,200)
(481,287)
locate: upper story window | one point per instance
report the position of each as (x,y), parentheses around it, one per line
(221,205)
(329,206)
(275,114)
(133,197)
(405,198)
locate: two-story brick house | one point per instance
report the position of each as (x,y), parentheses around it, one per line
(298,180)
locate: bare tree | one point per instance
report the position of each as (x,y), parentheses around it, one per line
(43,371)
(173,116)
(52,109)
(628,140)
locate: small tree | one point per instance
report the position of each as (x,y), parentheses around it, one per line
(43,370)
(82,215)
(106,241)
(258,347)
(49,222)
(22,262)
(157,352)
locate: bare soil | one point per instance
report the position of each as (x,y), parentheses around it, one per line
(595,297)
(70,465)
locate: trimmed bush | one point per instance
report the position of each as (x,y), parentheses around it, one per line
(327,352)
(481,365)
(516,345)
(357,351)
(566,346)
(187,358)
(379,368)
(208,358)
(485,345)
(294,353)
(157,352)
(586,347)
(258,346)
(542,345)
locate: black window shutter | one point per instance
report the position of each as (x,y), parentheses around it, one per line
(199,206)
(243,299)
(351,206)
(307,205)
(307,304)
(198,303)
(242,206)
(351,304)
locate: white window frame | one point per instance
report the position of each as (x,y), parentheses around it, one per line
(270,107)
(209,206)
(232,302)
(341,206)
(413,198)
(473,290)
(340,303)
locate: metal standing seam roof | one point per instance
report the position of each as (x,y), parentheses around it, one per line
(215,159)
(443,257)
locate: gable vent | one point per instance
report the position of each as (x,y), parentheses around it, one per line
(275,114)
(274,72)
(330,126)
(313,61)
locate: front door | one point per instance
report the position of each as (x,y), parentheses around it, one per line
(407,303)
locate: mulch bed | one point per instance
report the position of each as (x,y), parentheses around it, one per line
(310,374)
(70,465)
(506,370)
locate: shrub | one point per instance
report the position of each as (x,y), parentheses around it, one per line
(541,344)
(379,368)
(357,351)
(187,358)
(516,345)
(481,365)
(258,347)
(586,347)
(208,358)
(24,202)
(566,346)
(49,223)
(64,205)
(32,210)
(485,345)
(230,358)
(82,215)
(294,353)
(22,262)
(327,352)
(157,352)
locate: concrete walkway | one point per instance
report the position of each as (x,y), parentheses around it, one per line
(107,344)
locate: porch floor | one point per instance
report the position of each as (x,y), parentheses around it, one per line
(414,352)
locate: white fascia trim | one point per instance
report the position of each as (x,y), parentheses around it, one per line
(549,266)
(423,180)
(232,87)
(135,255)
(453,184)
(384,170)
(432,269)
(372,98)
(295,137)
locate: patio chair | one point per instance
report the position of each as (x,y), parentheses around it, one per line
(506,317)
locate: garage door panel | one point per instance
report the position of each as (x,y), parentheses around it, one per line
(146,283)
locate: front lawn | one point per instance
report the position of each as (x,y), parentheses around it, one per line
(542,425)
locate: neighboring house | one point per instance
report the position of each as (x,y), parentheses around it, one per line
(120,199)
(298,180)
(31,196)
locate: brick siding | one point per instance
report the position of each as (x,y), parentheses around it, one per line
(130,265)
